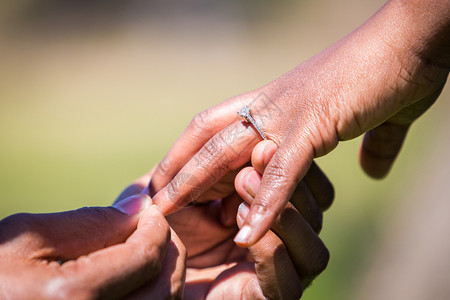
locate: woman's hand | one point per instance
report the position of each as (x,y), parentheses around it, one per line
(378,79)
(90,253)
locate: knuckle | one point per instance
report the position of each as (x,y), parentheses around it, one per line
(183,188)
(201,122)
(212,154)
(163,168)
(276,173)
(262,207)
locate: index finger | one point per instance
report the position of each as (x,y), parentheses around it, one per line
(226,151)
(202,128)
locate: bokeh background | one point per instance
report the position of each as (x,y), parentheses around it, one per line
(93,93)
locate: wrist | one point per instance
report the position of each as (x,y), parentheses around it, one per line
(425,27)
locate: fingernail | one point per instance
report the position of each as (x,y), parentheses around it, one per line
(243,211)
(133,204)
(252,183)
(243,235)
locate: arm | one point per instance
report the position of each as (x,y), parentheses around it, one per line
(90,253)
(378,79)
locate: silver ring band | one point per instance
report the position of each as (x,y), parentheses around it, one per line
(247,116)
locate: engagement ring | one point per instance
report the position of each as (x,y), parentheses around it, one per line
(247,116)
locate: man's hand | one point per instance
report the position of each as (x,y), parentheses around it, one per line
(280,266)
(89,253)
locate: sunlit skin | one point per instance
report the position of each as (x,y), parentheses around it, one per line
(91,253)
(279,266)
(129,250)
(377,80)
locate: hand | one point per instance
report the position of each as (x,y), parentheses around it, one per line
(217,268)
(380,78)
(279,266)
(93,252)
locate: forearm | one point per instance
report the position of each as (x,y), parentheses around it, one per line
(425,25)
(388,63)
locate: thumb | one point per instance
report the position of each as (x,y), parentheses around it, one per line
(69,235)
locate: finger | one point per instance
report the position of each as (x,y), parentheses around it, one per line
(221,189)
(228,210)
(170,282)
(313,191)
(262,154)
(306,249)
(380,148)
(309,254)
(320,186)
(68,235)
(317,182)
(115,271)
(280,178)
(224,153)
(306,204)
(137,187)
(276,275)
(381,145)
(201,129)
(247,184)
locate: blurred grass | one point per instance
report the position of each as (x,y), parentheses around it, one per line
(82,115)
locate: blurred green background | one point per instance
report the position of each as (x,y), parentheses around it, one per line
(93,93)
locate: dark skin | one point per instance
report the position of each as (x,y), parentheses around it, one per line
(375,81)
(130,250)
(91,253)
(279,266)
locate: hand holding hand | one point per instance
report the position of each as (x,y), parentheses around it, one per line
(280,266)
(380,78)
(93,252)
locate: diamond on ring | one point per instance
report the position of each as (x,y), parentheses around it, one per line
(247,116)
